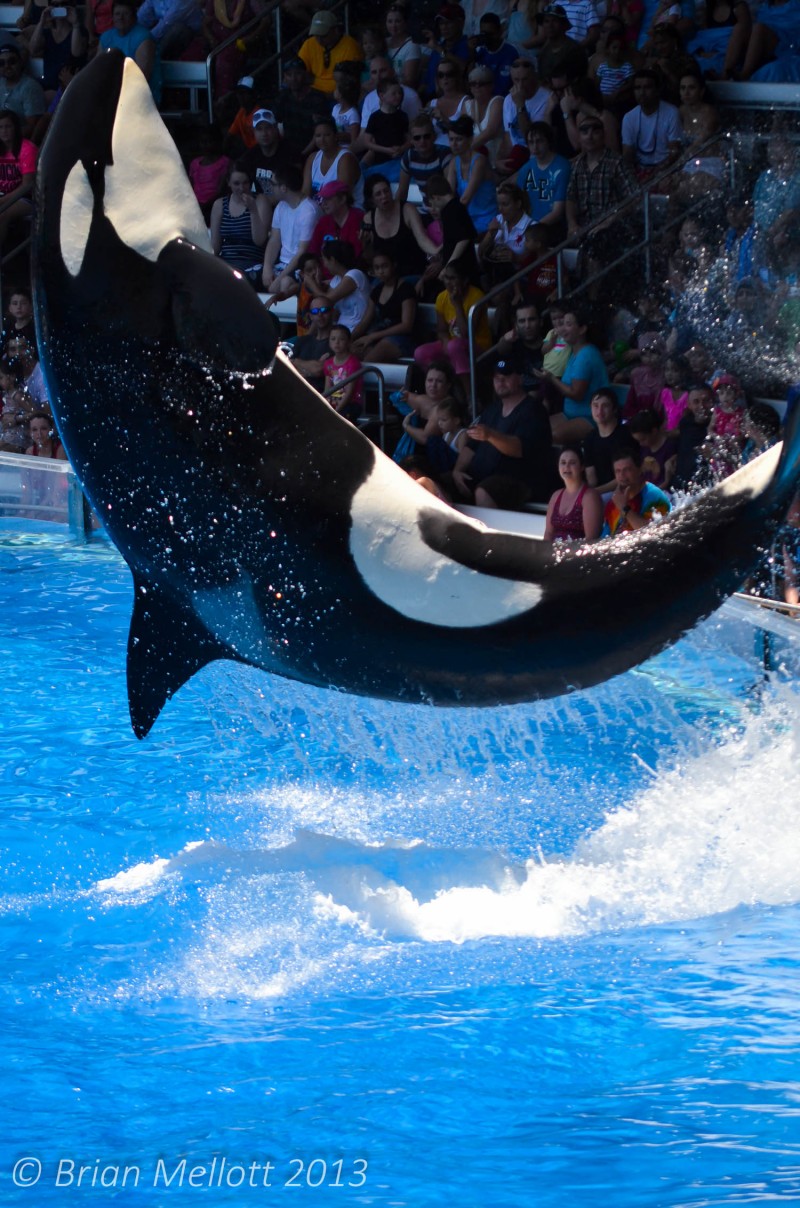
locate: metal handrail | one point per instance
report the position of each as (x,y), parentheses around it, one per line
(377,373)
(277,56)
(642,197)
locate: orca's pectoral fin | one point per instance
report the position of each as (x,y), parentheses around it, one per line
(166,646)
(218,317)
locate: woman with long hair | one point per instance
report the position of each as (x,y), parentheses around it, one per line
(575,513)
(451,99)
(395,227)
(469,174)
(404,54)
(18,158)
(239,227)
(391,314)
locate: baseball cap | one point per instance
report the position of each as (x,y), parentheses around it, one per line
(264,115)
(323,22)
(451,12)
(290,64)
(332,188)
(726,379)
(245,82)
(509,362)
(555,10)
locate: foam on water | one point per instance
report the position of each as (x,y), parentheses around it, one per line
(711,833)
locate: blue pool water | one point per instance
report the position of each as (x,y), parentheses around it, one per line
(544,955)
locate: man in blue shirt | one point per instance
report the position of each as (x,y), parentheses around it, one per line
(495,53)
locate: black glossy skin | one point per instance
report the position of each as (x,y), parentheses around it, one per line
(229,488)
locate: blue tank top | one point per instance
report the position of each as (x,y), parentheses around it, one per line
(238,247)
(483,207)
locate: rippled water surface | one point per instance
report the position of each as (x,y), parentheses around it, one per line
(299,944)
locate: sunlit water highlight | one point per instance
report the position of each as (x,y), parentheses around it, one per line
(540,955)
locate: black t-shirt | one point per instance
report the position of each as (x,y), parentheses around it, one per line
(457,225)
(310,348)
(262,167)
(388,130)
(391,312)
(529,422)
(599,451)
(691,436)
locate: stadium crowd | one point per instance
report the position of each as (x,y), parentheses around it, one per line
(435,155)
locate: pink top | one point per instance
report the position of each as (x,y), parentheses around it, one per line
(337,373)
(207,179)
(14,167)
(727,423)
(568,526)
(673,407)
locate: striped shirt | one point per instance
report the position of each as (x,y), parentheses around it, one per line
(582,16)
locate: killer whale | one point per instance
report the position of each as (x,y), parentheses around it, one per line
(258,525)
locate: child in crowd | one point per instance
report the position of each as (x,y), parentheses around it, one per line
(45,442)
(540,285)
(16,411)
(347,94)
(419,469)
(726,429)
(615,74)
(423,160)
(672,400)
(762,429)
(386,133)
(443,436)
(347,400)
(209,171)
(19,317)
(555,349)
(647,378)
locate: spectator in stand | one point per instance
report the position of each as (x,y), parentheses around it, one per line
(762,430)
(240,136)
(293,221)
(526,103)
(545,178)
(651,131)
(298,105)
(16,407)
(381,69)
(391,314)
(502,249)
(506,460)
(451,101)
(448,41)
(452,309)
(607,437)
(18,319)
(424,159)
(44,441)
(19,92)
(442,438)
(583,376)
(135,41)
(584,22)
(614,73)
(331,163)
(403,52)
(691,471)
(726,429)
(173,23)
(555,349)
(524,24)
(635,502)
(458,230)
(346,109)
(395,227)
(18,158)
(419,410)
(348,287)
(325,47)
(670,61)
(469,175)
(721,37)
(311,351)
(347,398)
(239,225)
(659,448)
(486,111)
(674,396)
(600,182)
(386,135)
(221,19)
(776,34)
(700,119)
(647,378)
(98,17)
(776,193)
(559,53)
(209,170)
(340,219)
(525,341)
(495,53)
(23,354)
(575,513)
(56,40)
(265,160)
(541,284)
(583,99)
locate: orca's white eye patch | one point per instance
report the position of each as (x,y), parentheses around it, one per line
(76,218)
(148,198)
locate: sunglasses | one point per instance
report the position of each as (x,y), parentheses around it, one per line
(320,310)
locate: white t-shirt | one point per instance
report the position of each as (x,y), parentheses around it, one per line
(536,107)
(513,237)
(296,226)
(345,118)
(407,53)
(650,136)
(353,308)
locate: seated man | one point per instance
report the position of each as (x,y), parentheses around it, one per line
(18,90)
(635,502)
(600,181)
(526,103)
(507,459)
(525,341)
(310,352)
(135,42)
(173,23)
(651,131)
(298,105)
(495,53)
(326,46)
